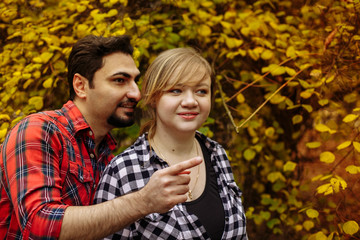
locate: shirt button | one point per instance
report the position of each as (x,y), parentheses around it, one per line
(92,155)
(90,133)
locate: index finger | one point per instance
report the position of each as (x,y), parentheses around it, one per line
(180,167)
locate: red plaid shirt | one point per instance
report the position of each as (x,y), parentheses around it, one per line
(48,162)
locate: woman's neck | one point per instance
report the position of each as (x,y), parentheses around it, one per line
(175,149)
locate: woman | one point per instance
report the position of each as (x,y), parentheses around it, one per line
(176,91)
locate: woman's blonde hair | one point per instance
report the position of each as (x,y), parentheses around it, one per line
(177,64)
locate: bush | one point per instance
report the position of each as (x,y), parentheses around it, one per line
(287,100)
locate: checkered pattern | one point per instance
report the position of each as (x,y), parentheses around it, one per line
(46,165)
(131,170)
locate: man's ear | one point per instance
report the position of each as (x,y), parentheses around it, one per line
(80,84)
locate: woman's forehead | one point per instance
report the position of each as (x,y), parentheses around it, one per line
(189,76)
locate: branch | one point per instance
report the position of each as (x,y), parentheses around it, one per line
(225,106)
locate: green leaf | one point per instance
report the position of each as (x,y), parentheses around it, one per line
(289,166)
(350,227)
(249,154)
(274,176)
(204,30)
(308,225)
(320,236)
(312,213)
(273,222)
(270,131)
(297,119)
(306,94)
(265,215)
(290,71)
(327,157)
(277,98)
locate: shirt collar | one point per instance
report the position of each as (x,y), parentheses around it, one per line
(78,123)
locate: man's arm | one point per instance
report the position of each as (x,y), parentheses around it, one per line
(166,188)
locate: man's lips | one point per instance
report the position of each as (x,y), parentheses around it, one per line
(131,105)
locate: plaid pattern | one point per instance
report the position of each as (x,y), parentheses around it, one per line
(131,170)
(47,163)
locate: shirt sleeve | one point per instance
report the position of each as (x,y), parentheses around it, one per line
(115,182)
(32,153)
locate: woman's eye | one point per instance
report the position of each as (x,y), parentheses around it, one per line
(176,91)
(202,91)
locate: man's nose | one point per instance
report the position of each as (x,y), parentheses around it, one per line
(134,92)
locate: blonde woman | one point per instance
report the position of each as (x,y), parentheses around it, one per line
(176,92)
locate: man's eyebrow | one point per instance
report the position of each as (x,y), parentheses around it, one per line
(121,74)
(126,75)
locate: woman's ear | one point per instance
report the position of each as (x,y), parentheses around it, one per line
(80,85)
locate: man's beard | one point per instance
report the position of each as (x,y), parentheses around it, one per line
(121,122)
(126,121)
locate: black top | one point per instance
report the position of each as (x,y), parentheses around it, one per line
(208,207)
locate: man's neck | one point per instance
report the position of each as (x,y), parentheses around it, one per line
(99,129)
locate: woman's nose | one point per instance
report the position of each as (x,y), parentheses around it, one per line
(189,99)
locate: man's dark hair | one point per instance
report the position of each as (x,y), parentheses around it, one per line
(87,54)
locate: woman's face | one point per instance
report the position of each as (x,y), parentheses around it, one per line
(186,106)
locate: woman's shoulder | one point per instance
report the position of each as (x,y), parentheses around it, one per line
(134,154)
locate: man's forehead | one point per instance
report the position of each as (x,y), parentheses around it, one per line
(120,64)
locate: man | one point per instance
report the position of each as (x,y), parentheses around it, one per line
(51,162)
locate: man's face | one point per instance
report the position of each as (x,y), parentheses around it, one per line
(112,99)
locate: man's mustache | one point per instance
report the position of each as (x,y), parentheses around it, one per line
(131,103)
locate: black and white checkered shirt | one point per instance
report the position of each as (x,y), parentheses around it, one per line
(131,170)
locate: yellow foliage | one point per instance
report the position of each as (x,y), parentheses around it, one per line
(204,30)
(343,145)
(289,166)
(327,157)
(260,46)
(350,227)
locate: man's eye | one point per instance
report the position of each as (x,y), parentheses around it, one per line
(119,80)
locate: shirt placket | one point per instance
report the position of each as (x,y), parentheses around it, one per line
(90,145)
(225,198)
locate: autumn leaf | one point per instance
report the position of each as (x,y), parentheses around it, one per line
(327,157)
(350,227)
